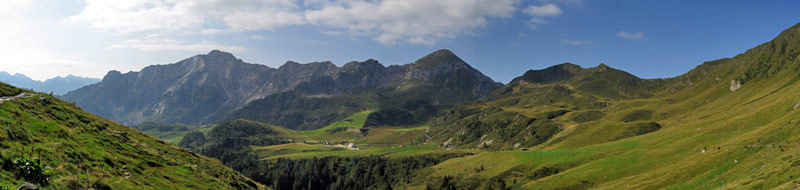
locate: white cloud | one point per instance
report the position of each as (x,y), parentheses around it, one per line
(538,13)
(411,21)
(385,21)
(632,36)
(128,16)
(576,42)
(26,41)
(568,3)
(155,43)
(547,10)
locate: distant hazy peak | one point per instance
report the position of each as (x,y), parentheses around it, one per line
(58,85)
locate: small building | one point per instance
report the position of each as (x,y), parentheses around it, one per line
(352,146)
(525,149)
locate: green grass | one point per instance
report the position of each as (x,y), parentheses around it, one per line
(410,129)
(388,151)
(355,121)
(710,137)
(392,136)
(65,138)
(8,90)
(172,133)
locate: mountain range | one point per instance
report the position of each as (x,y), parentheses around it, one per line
(436,123)
(204,88)
(57,85)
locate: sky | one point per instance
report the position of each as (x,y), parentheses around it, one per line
(501,38)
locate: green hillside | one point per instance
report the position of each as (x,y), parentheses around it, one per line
(172,133)
(727,124)
(67,148)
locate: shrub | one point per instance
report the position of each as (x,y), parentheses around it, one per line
(31,170)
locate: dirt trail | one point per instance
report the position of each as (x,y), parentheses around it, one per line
(6,98)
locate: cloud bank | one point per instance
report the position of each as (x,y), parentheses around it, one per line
(385,21)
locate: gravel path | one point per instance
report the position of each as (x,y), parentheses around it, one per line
(6,98)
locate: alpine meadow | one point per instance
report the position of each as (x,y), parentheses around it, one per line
(451,94)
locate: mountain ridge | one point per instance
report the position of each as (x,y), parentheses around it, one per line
(203,88)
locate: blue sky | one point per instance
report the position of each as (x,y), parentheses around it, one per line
(502,38)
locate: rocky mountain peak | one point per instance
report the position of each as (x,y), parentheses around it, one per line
(602,67)
(439,57)
(550,74)
(327,64)
(112,74)
(291,65)
(218,57)
(369,64)
(218,53)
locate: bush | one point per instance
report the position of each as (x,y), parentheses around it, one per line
(31,170)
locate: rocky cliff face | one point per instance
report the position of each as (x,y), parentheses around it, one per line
(203,88)
(442,64)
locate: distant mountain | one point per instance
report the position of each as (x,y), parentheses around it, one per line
(58,85)
(601,80)
(529,111)
(56,145)
(204,88)
(397,95)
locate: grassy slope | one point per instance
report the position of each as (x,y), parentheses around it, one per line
(384,140)
(65,137)
(355,121)
(713,138)
(172,133)
(8,90)
(299,150)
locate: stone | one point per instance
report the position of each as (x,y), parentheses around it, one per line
(28,186)
(735,85)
